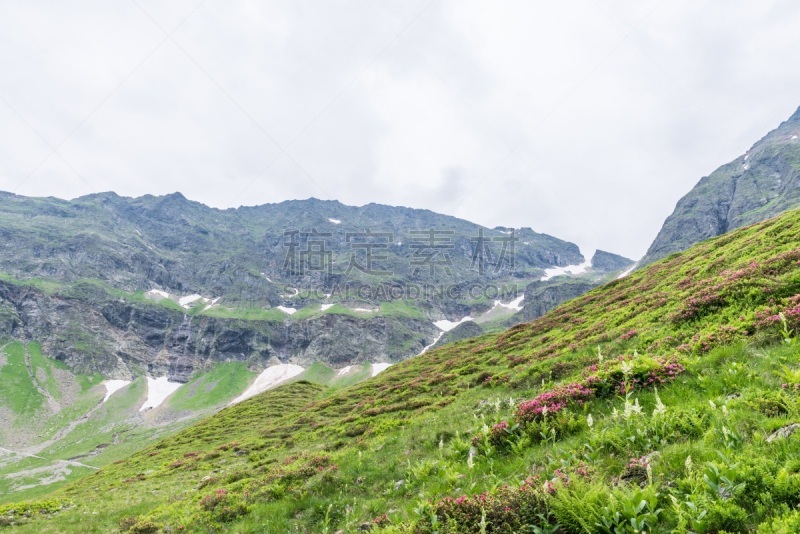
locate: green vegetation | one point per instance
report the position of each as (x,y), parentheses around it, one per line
(17,389)
(402,308)
(340,309)
(552,426)
(224,382)
(250,314)
(42,368)
(322,374)
(44,285)
(318,373)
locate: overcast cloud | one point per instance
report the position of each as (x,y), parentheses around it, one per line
(585,119)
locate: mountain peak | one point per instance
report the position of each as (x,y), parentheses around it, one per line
(763,183)
(609,262)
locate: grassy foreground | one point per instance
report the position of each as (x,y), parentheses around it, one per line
(663,402)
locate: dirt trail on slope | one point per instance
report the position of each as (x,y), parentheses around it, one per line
(64,432)
(54,471)
(17,474)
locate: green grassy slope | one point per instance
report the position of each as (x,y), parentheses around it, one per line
(56,429)
(221,384)
(712,327)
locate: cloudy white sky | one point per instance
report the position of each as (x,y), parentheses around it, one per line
(585,119)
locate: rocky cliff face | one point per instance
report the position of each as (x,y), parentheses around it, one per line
(608,262)
(251,255)
(541,297)
(76,264)
(164,285)
(465,330)
(756,186)
(122,339)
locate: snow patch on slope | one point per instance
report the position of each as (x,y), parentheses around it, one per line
(112,386)
(158,389)
(325,307)
(446,325)
(335,221)
(288,311)
(271,377)
(515,304)
(296,292)
(343,371)
(188,300)
(569,269)
(378,368)
(435,341)
(629,271)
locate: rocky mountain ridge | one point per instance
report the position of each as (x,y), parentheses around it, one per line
(760,184)
(164,286)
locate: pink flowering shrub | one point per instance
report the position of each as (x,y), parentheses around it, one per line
(224,506)
(629,334)
(381,521)
(605,379)
(498,437)
(552,402)
(645,372)
(637,470)
(509,509)
(564,477)
(771,315)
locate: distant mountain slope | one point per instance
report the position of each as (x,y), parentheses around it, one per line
(196,307)
(536,417)
(167,286)
(252,254)
(756,186)
(543,295)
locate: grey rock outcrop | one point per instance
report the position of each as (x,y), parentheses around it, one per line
(608,262)
(121,339)
(756,186)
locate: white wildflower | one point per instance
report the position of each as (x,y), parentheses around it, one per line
(712,404)
(471,457)
(627,367)
(589,421)
(631,408)
(660,409)
(688,463)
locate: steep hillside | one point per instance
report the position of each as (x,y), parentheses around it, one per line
(164,298)
(756,186)
(552,423)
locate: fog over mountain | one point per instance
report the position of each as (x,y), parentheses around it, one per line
(586,120)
